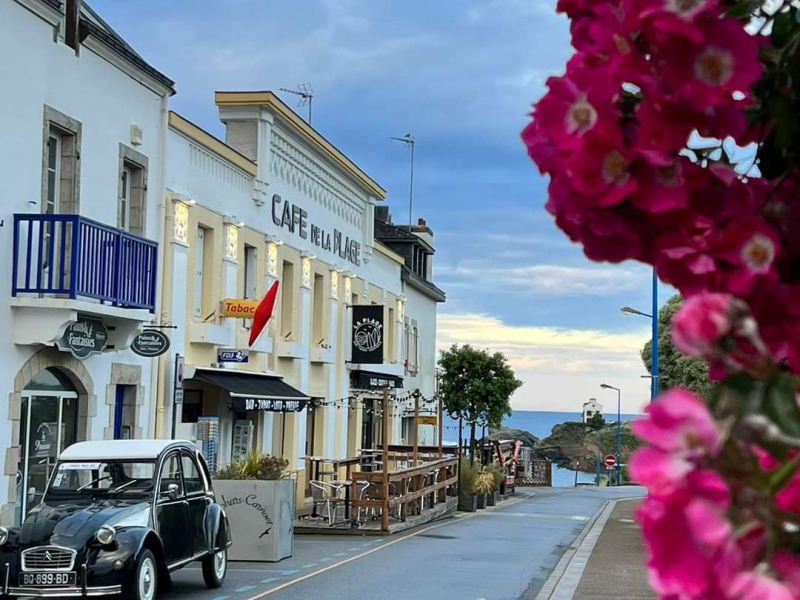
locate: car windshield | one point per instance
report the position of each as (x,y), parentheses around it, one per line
(102,477)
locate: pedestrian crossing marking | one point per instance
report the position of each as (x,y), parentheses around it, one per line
(269,580)
(246,588)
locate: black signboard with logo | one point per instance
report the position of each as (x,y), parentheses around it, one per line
(365,380)
(367,334)
(84,338)
(150,343)
(243,404)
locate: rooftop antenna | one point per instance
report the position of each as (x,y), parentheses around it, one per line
(409,141)
(306,94)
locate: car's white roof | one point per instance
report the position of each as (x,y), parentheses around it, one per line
(117,449)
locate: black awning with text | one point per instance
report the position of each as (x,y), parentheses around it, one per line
(255,392)
(368,380)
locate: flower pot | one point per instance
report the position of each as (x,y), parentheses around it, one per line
(468,503)
(261,516)
(481,501)
(493,498)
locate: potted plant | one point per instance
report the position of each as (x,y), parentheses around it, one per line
(468,500)
(484,485)
(498,479)
(259,498)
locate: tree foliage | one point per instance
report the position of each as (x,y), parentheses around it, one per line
(674,368)
(596,421)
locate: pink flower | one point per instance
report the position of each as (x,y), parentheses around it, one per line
(680,423)
(788,498)
(666,18)
(540,148)
(574,105)
(751,247)
(701,323)
(601,168)
(683,257)
(664,127)
(787,566)
(756,586)
(724,60)
(660,472)
(662,187)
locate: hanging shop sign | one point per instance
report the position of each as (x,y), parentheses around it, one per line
(244,404)
(367,334)
(233,356)
(150,343)
(428,420)
(239,308)
(84,338)
(364,380)
(295,219)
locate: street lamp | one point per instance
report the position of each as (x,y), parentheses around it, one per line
(605,386)
(627,310)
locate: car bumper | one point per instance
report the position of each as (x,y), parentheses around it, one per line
(69,592)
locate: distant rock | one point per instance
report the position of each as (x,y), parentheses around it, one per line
(574,443)
(506,433)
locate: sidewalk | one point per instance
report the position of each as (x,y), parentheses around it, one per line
(616,568)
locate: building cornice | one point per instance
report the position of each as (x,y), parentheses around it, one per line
(423,285)
(389,253)
(208,141)
(49,10)
(272,103)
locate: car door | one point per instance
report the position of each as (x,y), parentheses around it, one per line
(172,514)
(197,498)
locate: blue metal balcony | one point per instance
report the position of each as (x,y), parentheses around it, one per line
(72,256)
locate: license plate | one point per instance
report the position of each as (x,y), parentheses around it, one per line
(47,579)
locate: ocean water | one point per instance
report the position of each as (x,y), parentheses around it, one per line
(540,424)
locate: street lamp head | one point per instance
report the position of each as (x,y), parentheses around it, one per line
(605,386)
(627,310)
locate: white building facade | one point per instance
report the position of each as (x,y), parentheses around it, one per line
(84,121)
(591,408)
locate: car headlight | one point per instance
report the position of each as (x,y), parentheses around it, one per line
(3,535)
(106,534)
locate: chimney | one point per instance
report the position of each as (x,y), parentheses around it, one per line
(382,214)
(72,36)
(422,223)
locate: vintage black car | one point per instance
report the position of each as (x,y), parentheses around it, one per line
(117,517)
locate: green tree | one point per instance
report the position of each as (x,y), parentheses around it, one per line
(477,387)
(596,421)
(675,369)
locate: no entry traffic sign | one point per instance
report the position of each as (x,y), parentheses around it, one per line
(611,460)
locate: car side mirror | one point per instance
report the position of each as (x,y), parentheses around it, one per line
(172,491)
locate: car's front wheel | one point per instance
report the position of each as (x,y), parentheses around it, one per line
(145,580)
(215,567)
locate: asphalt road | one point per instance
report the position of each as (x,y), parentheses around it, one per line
(501,554)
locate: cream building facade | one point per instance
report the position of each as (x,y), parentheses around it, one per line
(278,202)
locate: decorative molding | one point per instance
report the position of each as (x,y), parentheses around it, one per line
(272,259)
(307,271)
(43,10)
(231,250)
(180,222)
(298,169)
(334,284)
(203,160)
(348,289)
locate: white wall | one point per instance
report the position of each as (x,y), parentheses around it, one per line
(36,71)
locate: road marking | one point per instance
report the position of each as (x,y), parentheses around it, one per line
(309,565)
(220,598)
(341,554)
(283,586)
(268,580)
(352,549)
(539,516)
(245,588)
(325,560)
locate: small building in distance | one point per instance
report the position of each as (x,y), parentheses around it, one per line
(591,408)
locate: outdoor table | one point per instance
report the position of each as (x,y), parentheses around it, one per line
(347,484)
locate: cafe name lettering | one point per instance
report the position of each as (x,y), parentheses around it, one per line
(295,219)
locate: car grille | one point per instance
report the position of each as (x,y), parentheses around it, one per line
(48,558)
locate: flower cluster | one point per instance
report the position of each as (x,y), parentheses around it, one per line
(710,536)
(613,133)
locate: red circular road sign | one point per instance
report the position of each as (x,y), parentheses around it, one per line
(611,460)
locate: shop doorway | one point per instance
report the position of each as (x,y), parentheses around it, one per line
(48,424)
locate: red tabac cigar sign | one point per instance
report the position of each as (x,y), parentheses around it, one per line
(263,313)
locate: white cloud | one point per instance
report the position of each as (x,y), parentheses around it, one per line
(560,367)
(547,280)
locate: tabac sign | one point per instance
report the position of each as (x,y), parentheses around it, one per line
(239,309)
(84,338)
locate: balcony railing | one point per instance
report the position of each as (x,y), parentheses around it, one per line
(72,256)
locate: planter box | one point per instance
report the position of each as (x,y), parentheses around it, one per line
(492,499)
(468,503)
(481,501)
(261,516)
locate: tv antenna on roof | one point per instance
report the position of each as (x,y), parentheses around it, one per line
(306,94)
(409,142)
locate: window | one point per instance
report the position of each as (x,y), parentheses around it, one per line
(250,277)
(171,474)
(53,174)
(199,272)
(390,325)
(287,300)
(317,328)
(132,190)
(125,198)
(192,408)
(191,475)
(415,346)
(588,413)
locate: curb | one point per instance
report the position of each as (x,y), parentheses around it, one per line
(566,576)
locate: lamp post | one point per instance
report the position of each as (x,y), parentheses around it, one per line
(605,386)
(627,310)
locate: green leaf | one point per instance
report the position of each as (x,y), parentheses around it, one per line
(782,476)
(740,10)
(780,405)
(783,28)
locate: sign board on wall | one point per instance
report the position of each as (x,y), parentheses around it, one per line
(84,338)
(150,343)
(428,420)
(367,334)
(233,356)
(239,308)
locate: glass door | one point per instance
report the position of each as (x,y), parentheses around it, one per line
(48,425)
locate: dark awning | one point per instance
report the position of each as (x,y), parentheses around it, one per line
(255,392)
(368,380)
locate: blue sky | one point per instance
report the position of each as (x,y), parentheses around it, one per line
(459,75)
